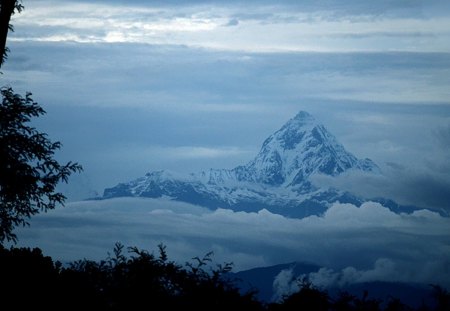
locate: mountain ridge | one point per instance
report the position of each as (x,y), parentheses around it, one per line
(276,179)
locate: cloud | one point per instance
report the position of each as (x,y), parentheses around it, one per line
(413,186)
(369,238)
(383,270)
(181,80)
(442,135)
(271,27)
(284,284)
(179,152)
(232,22)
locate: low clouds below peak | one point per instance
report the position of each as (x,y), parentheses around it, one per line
(413,186)
(367,238)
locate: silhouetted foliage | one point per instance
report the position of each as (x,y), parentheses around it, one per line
(7,9)
(312,298)
(307,298)
(28,171)
(395,304)
(141,280)
(367,304)
(344,302)
(27,278)
(442,298)
(119,282)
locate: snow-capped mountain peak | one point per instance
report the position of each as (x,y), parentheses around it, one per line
(276,179)
(298,149)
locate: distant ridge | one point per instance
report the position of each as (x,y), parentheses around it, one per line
(262,279)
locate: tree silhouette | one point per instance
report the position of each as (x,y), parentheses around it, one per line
(308,297)
(7,9)
(28,279)
(31,281)
(146,281)
(442,298)
(28,171)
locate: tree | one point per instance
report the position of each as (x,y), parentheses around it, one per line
(308,297)
(7,9)
(442,298)
(28,172)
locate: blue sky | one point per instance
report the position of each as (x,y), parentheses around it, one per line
(135,86)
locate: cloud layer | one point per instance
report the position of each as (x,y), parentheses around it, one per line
(407,186)
(365,243)
(242,26)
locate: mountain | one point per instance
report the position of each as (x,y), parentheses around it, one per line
(262,280)
(300,148)
(277,179)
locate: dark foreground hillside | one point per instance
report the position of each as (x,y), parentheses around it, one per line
(29,281)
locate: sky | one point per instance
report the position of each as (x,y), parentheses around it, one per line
(135,86)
